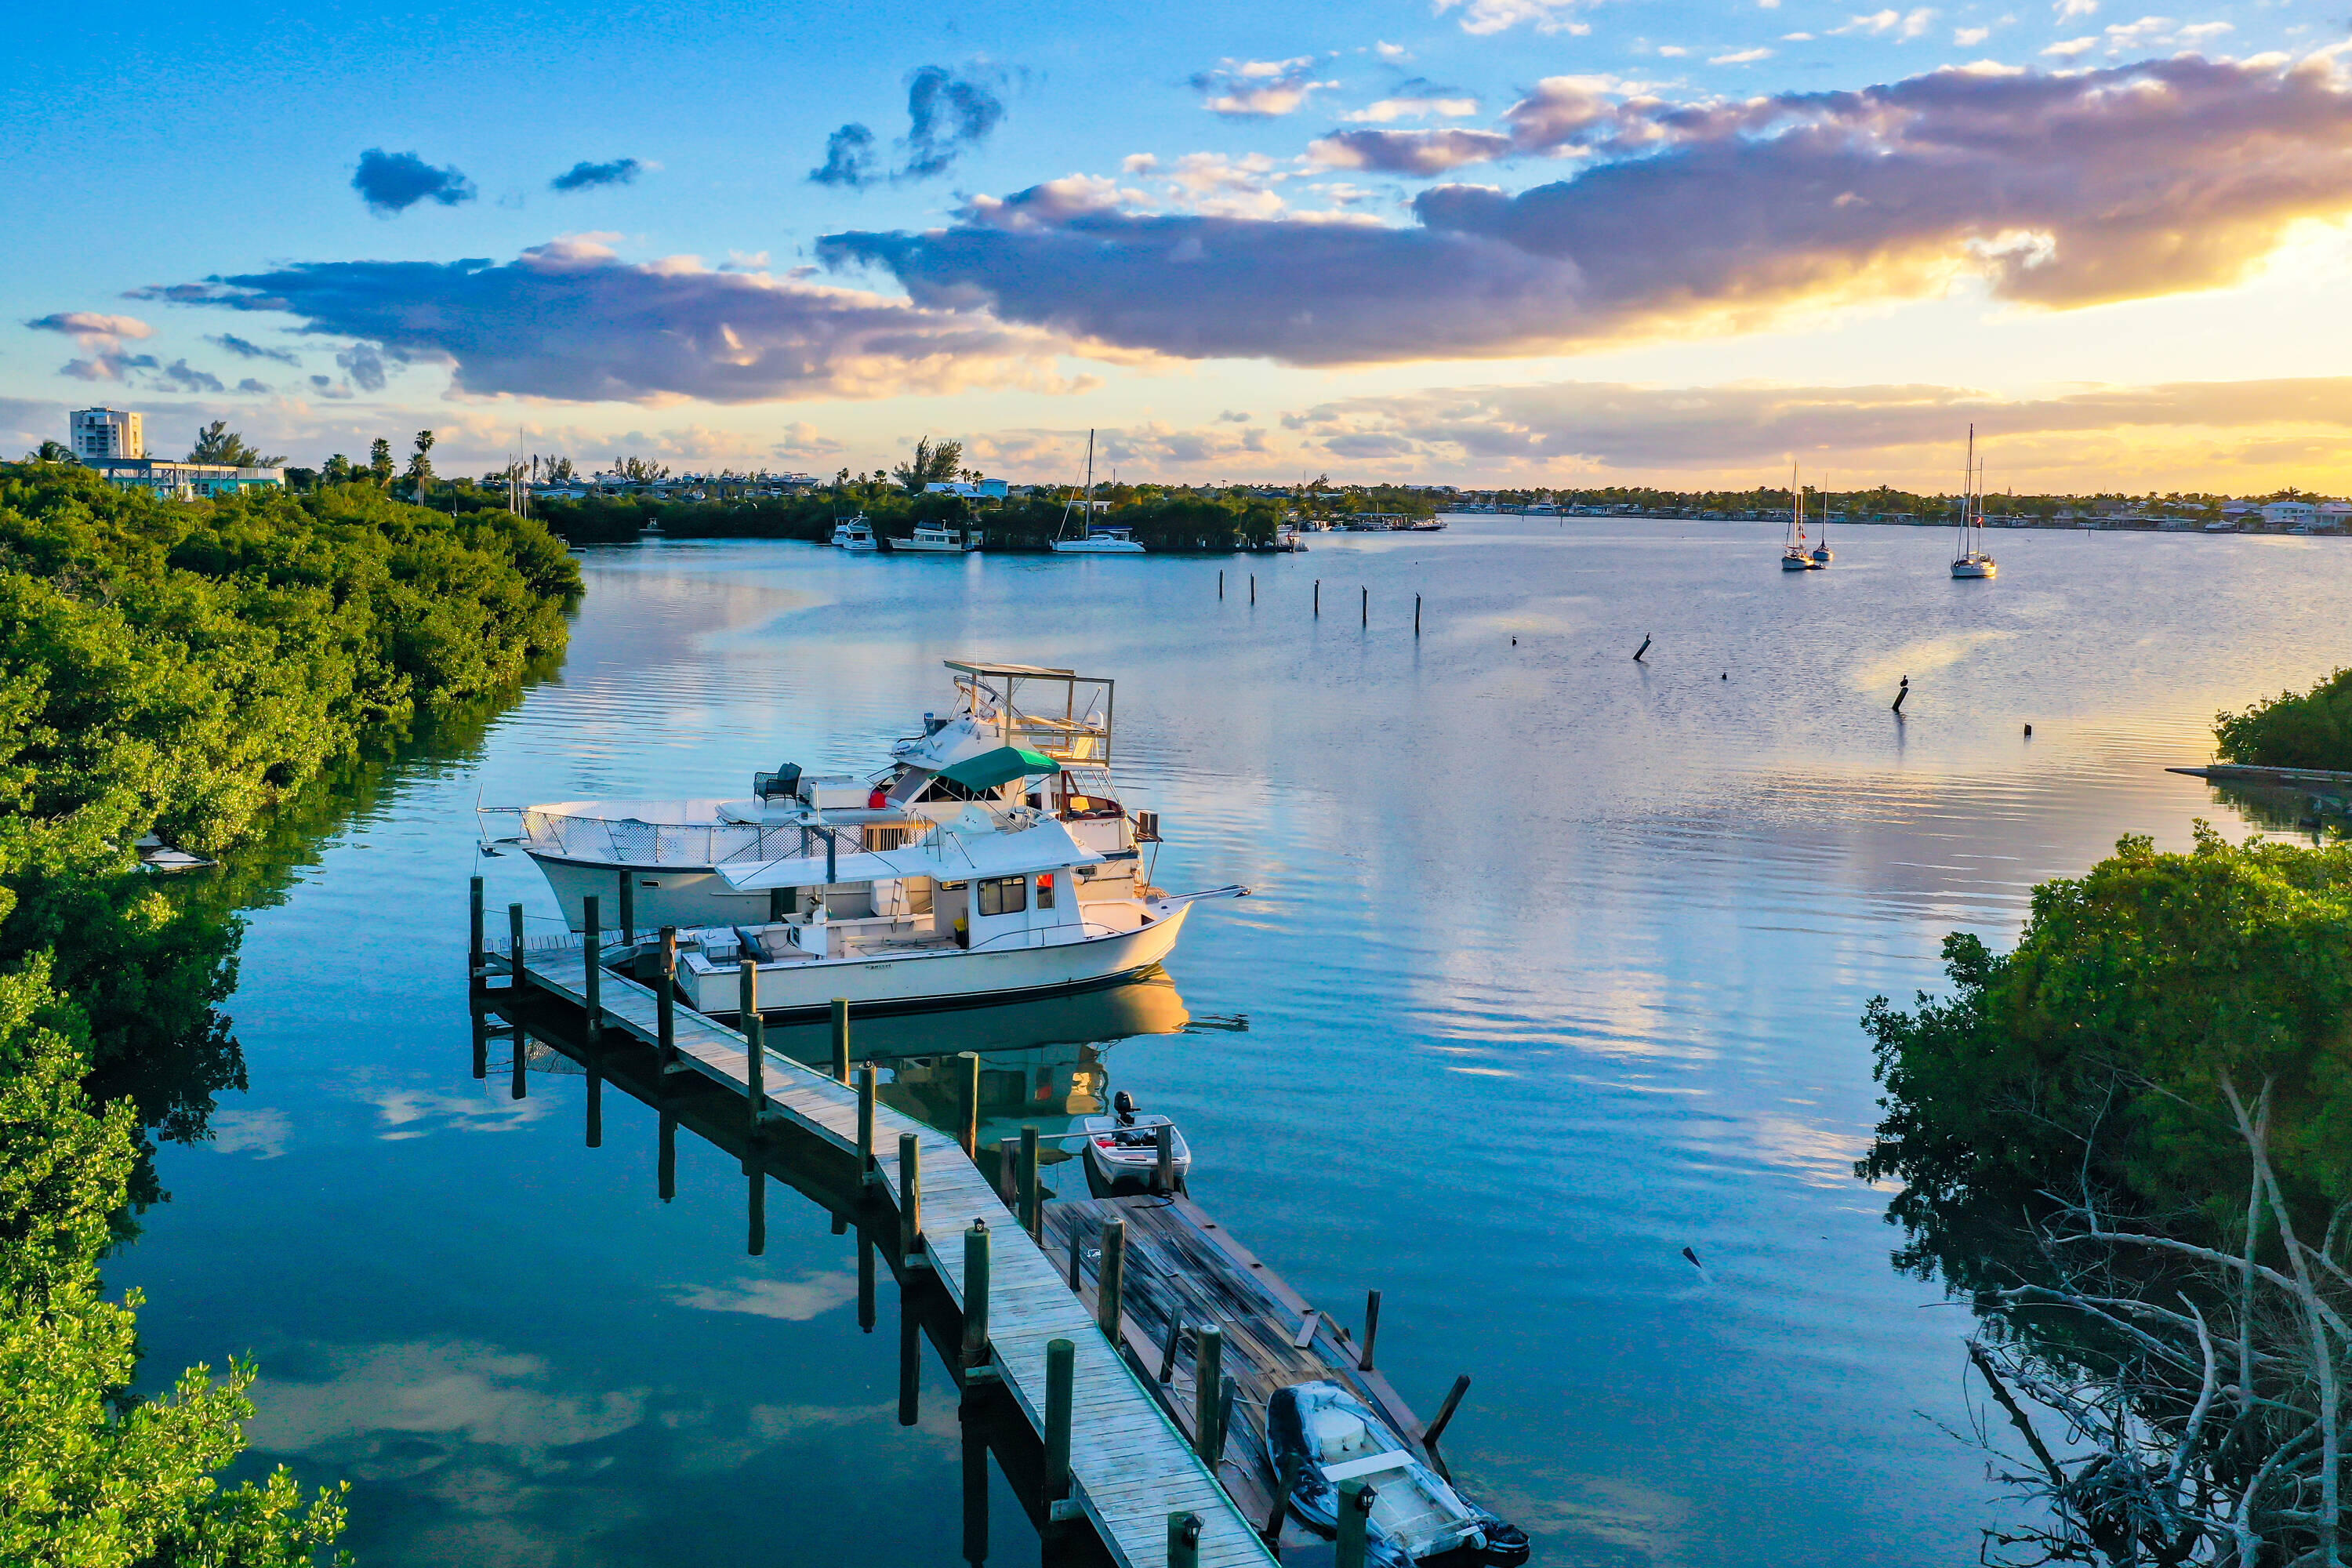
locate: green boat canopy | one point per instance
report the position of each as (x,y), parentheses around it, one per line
(1002,766)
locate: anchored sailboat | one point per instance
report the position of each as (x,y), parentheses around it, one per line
(1091,540)
(1972,561)
(1794,557)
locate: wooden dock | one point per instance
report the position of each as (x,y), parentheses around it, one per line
(1131,1467)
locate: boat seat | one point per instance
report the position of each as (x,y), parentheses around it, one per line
(1370,1465)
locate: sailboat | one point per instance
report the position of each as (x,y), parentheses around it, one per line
(1972,561)
(1092,541)
(1793,555)
(1822,555)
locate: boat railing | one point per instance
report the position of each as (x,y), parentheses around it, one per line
(627,841)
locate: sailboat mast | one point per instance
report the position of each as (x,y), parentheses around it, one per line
(1086,523)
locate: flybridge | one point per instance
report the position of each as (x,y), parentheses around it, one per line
(1066,715)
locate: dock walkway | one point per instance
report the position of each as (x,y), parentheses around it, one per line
(1130,1467)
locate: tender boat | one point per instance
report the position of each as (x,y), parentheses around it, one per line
(854,534)
(938,539)
(1122,1149)
(1972,562)
(1091,540)
(1331,1436)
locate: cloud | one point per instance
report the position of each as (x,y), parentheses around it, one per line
(2057,190)
(91,330)
(180,376)
(1258,88)
(1589,425)
(244,350)
(365,366)
(1898,25)
(1482,17)
(250,384)
(1408,152)
(570,320)
(1741,58)
(2070,47)
(849,160)
(392,182)
(1969,38)
(584,175)
(1413,106)
(2067,10)
(945,115)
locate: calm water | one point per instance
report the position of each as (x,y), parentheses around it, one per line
(1553,971)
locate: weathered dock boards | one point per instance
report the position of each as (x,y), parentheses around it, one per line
(1130,1467)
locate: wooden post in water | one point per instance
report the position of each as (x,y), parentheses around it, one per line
(1318,596)
(865,1281)
(1288,1482)
(1008,1172)
(665,999)
(514,946)
(975,1294)
(1355,1512)
(1371,1329)
(1416,615)
(666,1162)
(1367,619)
(1184,1540)
(628,907)
(596,1108)
(867,1172)
(910,1198)
(1226,1389)
(968,1102)
(1436,1428)
(518,1088)
(756,1209)
(841,1039)
(755,1043)
(1108,1275)
(1221,582)
(1061,1381)
(1208,1378)
(1253,587)
(1078,1251)
(1164,1169)
(473,953)
(1168,1349)
(593,951)
(1033,1209)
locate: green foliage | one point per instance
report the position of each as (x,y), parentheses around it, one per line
(1162,523)
(2293,730)
(2093,1054)
(930,464)
(217,443)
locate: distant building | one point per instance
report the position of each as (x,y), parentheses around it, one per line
(105,433)
(994,488)
(168,480)
(2290,514)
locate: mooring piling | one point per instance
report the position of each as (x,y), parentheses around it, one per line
(628,908)
(1416,615)
(755,1042)
(1900,695)
(1208,1380)
(1643,649)
(514,946)
(1184,1540)
(1366,619)
(1355,1513)
(1221,582)
(666,1001)
(1436,1430)
(1078,1254)
(1061,1382)
(1163,1172)
(1253,587)
(592,955)
(868,1173)
(1168,1347)
(968,1102)
(975,1295)
(1008,1172)
(1032,1207)
(475,971)
(1371,1329)
(1318,596)
(1108,1275)
(1285,1483)
(841,1039)
(910,1198)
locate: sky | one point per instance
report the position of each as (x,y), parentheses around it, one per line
(1482,242)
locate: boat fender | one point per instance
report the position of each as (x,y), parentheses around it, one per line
(878,800)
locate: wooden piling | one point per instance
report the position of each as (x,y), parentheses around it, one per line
(1208,1381)
(1008,1172)
(841,1039)
(1077,1252)
(1221,582)
(865,1281)
(1164,1169)
(591,951)
(1416,615)
(1033,1208)
(666,1162)
(628,907)
(1436,1430)
(1367,619)
(596,1108)
(1168,1348)
(1253,587)
(1107,1275)
(910,1197)
(1286,1483)
(755,1043)
(474,953)
(868,1172)
(1184,1540)
(755,1212)
(666,1000)
(1371,1329)
(968,1102)
(975,1294)
(1061,1383)
(514,946)
(1318,596)
(518,1088)
(1355,1513)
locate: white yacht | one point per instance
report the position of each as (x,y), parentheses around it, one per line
(1022,737)
(854,534)
(1972,562)
(1091,540)
(938,539)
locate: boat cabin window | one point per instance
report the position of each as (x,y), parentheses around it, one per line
(1045,892)
(1004,895)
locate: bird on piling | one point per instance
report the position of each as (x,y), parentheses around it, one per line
(1899,696)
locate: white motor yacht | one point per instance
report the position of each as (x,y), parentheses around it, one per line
(854,534)
(937,538)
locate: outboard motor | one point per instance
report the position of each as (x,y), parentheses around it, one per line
(1123,1105)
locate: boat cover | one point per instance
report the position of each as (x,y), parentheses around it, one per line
(957,852)
(1002,766)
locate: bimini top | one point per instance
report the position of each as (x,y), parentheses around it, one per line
(1024,671)
(971,845)
(1002,766)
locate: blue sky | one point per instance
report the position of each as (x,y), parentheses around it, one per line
(1505,239)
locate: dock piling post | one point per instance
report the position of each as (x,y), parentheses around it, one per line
(474,971)
(1032,1209)
(1008,1172)
(592,951)
(755,1043)
(1184,1540)
(1355,1512)
(1367,619)
(1436,1428)
(865,1281)
(968,1102)
(1208,1378)
(841,1039)
(756,1210)
(595,1108)
(1227,1387)
(628,907)
(1416,615)
(975,1294)
(1108,1276)
(1371,1329)
(1286,1483)
(1061,1382)
(910,1362)
(665,999)
(867,1172)
(1168,1351)
(1253,587)
(910,1197)
(1078,1251)
(514,943)
(666,1162)
(1221,582)
(1163,1171)
(519,1089)
(1318,596)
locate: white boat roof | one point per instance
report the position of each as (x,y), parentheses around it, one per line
(957,852)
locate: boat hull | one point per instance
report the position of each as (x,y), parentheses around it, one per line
(660,895)
(940,978)
(1974,569)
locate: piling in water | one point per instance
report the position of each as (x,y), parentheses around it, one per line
(1184,1540)
(755,1042)
(1355,1513)
(1253,587)
(1108,1276)
(1416,615)
(1371,1329)
(1366,619)
(591,949)
(867,1172)
(474,948)
(1221,582)
(910,1197)
(1061,1382)
(1033,1208)
(1436,1428)
(665,999)
(1208,1381)
(968,1102)
(841,1039)
(1900,695)
(975,1295)
(1168,1349)
(514,946)
(1643,649)
(1318,596)
(1289,1482)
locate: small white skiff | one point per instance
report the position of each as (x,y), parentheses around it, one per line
(1122,1149)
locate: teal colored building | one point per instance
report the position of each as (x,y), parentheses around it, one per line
(170,481)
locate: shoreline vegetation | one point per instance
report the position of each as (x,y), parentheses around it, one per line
(2293,730)
(196,670)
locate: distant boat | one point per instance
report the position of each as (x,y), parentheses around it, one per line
(1091,540)
(1972,562)
(2224,526)
(1794,556)
(1822,555)
(854,534)
(938,539)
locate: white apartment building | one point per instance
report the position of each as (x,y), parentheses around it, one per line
(106,433)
